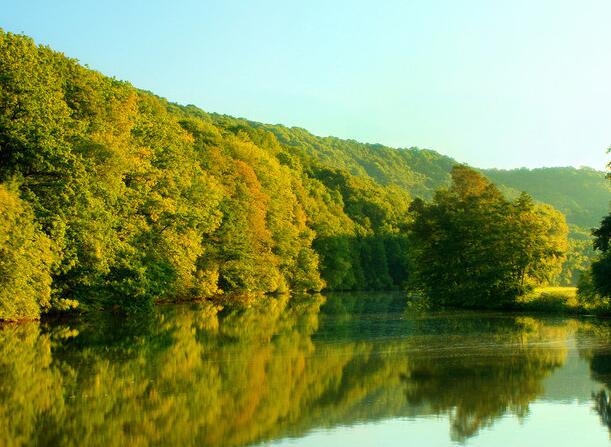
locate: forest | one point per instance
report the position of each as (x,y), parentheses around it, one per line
(114,198)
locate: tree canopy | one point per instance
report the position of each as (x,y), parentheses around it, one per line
(601,267)
(473,248)
(114,198)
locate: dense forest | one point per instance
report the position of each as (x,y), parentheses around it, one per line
(111,197)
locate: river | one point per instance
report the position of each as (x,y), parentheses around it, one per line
(312,370)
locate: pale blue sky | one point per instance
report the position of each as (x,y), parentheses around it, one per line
(494,83)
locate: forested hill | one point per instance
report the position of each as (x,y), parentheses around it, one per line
(113,197)
(583,194)
(417,171)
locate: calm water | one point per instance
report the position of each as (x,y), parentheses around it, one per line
(339,370)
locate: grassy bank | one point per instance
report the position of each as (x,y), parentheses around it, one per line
(554,300)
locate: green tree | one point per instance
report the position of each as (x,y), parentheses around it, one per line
(601,268)
(473,248)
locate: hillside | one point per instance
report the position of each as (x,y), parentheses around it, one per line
(581,194)
(113,197)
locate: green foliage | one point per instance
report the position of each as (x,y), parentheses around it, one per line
(473,248)
(371,252)
(589,297)
(551,299)
(581,194)
(579,256)
(26,259)
(601,268)
(596,288)
(145,200)
(601,272)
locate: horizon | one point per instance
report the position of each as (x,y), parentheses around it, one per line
(457,80)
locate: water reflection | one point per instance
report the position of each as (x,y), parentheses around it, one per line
(503,375)
(596,348)
(600,365)
(203,375)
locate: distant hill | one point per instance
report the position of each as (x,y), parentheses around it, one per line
(418,171)
(583,194)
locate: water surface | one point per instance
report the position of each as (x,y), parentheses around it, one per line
(346,369)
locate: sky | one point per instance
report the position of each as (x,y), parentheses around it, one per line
(503,83)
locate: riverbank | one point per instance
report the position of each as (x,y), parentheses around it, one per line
(541,300)
(563,300)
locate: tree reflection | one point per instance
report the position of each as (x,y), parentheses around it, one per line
(204,375)
(599,356)
(30,388)
(478,386)
(602,405)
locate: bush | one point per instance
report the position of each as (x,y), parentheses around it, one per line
(588,296)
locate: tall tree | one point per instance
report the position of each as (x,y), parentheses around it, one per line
(473,248)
